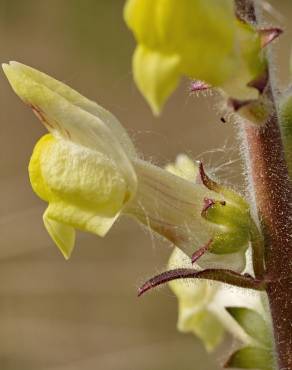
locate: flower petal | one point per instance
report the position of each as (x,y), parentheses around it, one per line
(204,324)
(37,180)
(81,101)
(194,296)
(207,40)
(63,235)
(79,218)
(84,189)
(211,298)
(184,167)
(60,169)
(64,118)
(139,16)
(156,75)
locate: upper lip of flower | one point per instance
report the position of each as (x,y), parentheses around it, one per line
(73,119)
(69,115)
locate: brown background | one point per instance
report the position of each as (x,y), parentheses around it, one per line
(84,314)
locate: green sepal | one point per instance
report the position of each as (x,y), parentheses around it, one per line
(229,242)
(236,223)
(252,323)
(251,358)
(226,214)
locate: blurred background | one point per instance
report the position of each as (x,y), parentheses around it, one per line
(84,314)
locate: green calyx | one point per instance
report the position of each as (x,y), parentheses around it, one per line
(225,213)
(231,215)
(234,223)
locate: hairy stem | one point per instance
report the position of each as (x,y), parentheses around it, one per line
(257,251)
(271,191)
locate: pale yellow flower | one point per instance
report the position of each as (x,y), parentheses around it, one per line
(201,39)
(83,168)
(202,306)
(88,172)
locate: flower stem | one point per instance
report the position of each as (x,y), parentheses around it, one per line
(271,191)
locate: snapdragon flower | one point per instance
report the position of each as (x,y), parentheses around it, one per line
(200,39)
(89,173)
(83,167)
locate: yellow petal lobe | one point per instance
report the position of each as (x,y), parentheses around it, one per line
(156,75)
(63,235)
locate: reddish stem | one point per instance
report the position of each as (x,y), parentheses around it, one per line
(273,199)
(271,190)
